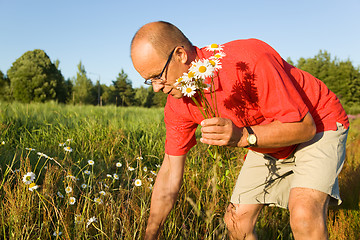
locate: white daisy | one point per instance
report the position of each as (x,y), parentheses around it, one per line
(30,149)
(150,179)
(90,221)
(87,172)
(68,189)
(69,139)
(218,55)
(68,149)
(72,200)
(109,175)
(98,200)
(29,178)
(145,169)
(33,186)
(83,185)
(91,162)
(215,63)
(189,90)
(62,144)
(116,177)
(57,233)
(72,177)
(102,193)
(3,143)
(153,173)
(214,47)
(131,169)
(60,194)
(202,69)
(138,182)
(118,164)
(139,158)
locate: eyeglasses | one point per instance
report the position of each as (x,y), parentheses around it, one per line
(158,78)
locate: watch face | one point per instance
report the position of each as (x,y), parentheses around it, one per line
(252,139)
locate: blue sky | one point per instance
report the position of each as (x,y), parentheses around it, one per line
(99,32)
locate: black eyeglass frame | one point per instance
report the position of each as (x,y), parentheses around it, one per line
(150,81)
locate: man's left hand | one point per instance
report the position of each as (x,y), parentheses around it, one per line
(221,132)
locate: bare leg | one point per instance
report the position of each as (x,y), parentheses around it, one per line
(240,220)
(308,213)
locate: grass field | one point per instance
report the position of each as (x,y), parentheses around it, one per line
(94,169)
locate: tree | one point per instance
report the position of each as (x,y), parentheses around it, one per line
(5,93)
(341,77)
(83,90)
(123,91)
(33,77)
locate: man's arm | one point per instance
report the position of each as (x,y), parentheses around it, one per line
(165,192)
(221,131)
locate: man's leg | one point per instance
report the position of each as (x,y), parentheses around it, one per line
(240,220)
(308,213)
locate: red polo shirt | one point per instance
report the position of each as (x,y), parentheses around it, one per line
(255,87)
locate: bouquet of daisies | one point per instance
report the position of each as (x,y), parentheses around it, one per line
(200,78)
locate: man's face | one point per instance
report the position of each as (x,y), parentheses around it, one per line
(150,65)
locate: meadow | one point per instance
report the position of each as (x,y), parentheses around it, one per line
(86,172)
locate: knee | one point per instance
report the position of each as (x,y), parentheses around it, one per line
(306,219)
(238,221)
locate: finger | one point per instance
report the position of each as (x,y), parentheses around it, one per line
(212,129)
(213,142)
(213,121)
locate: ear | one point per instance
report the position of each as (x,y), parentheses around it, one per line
(181,54)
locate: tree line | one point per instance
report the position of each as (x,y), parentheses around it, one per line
(34,78)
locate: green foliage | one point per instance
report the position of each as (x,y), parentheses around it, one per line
(123,92)
(83,90)
(341,77)
(34,77)
(5,93)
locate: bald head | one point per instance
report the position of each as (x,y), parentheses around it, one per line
(162,36)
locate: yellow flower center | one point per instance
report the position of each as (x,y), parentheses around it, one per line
(202,69)
(188,90)
(28,178)
(32,185)
(214,45)
(179,79)
(191,74)
(217,55)
(212,63)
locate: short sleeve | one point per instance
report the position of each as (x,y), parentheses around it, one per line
(279,99)
(180,130)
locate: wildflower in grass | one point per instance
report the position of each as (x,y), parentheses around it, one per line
(150,179)
(145,169)
(98,200)
(57,233)
(118,164)
(30,149)
(62,144)
(109,175)
(33,186)
(29,178)
(139,158)
(72,200)
(69,139)
(218,55)
(131,169)
(102,193)
(158,165)
(138,182)
(91,162)
(60,194)
(83,185)
(106,185)
(90,221)
(68,149)
(68,189)
(87,172)
(116,177)
(151,187)
(72,177)
(78,219)
(3,143)
(153,172)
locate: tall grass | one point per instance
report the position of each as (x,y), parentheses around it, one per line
(133,138)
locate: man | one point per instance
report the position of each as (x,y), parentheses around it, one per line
(294,126)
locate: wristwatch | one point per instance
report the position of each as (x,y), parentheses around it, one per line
(251,139)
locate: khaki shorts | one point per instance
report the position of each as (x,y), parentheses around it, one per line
(315,164)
